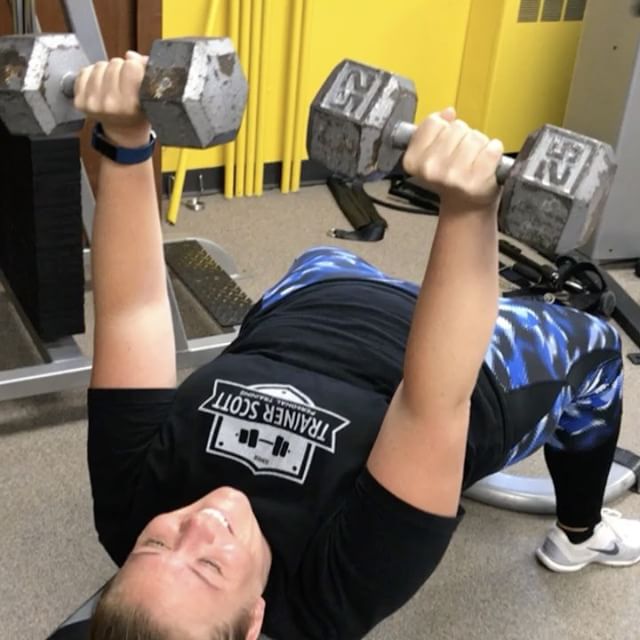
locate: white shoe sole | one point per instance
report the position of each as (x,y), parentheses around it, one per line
(563,568)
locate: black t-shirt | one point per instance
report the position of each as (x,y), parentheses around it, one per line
(288,415)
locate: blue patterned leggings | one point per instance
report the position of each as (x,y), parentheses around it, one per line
(560,369)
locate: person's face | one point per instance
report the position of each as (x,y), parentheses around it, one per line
(199,565)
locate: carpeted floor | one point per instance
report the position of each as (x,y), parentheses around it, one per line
(489,585)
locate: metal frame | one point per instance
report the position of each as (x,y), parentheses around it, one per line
(66,366)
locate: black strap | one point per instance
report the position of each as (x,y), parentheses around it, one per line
(571,282)
(368,224)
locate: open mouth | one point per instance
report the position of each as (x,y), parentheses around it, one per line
(219,516)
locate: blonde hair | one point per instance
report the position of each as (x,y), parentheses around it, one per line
(114,619)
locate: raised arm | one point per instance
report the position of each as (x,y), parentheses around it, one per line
(419,453)
(134,344)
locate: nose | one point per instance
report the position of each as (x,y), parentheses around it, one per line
(196,530)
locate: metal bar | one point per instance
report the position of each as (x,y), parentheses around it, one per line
(179,333)
(17,15)
(88,202)
(204,350)
(75,373)
(302,107)
(294,65)
(245,61)
(231,147)
(262,98)
(29,16)
(82,19)
(254,90)
(45,378)
(627,311)
(64,349)
(403,132)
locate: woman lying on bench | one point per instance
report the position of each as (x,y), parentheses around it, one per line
(307,482)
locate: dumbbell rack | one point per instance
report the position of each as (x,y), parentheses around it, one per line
(65,364)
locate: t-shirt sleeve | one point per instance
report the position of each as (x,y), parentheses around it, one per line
(369,560)
(124,425)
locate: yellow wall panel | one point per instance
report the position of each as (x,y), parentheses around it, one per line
(421,39)
(515,75)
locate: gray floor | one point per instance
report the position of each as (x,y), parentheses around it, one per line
(489,585)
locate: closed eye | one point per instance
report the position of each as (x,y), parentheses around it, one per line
(153,542)
(211,564)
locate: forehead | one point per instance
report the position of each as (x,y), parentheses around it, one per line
(172,594)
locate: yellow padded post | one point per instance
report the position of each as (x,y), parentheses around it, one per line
(245,61)
(230,149)
(183,157)
(254,88)
(262,98)
(302,106)
(294,65)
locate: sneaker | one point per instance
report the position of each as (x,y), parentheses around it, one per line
(615,542)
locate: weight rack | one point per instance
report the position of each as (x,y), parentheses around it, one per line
(65,365)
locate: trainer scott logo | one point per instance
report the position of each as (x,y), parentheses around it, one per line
(272,429)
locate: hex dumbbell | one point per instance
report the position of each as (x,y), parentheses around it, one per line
(194,91)
(251,437)
(555,190)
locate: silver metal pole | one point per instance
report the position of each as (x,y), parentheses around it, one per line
(29,16)
(17,15)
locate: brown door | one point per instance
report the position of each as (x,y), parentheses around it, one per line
(125,24)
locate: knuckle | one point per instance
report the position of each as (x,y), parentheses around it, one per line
(408,162)
(454,178)
(479,137)
(110,104)
(461,126)
(92,104)
(428,170)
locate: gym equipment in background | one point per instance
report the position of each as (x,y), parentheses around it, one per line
(65,365)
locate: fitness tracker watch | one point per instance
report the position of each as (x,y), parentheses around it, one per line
(122,155)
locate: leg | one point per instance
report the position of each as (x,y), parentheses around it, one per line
(328,263)
(579,455)
(562,373)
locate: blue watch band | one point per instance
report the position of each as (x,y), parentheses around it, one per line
(122,155)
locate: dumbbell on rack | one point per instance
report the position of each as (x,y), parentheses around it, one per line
(555,190)
(194,91)
(251,437)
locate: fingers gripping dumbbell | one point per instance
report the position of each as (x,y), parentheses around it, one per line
(555,190)
(251,437)
(194,91)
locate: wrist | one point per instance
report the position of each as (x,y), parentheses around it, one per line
(129,137)
(459,207)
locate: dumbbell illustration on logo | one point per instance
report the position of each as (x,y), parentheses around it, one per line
(251,438)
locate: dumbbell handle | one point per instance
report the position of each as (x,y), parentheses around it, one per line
(403,131)
(69,85)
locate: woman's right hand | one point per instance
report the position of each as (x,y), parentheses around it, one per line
(456,161)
